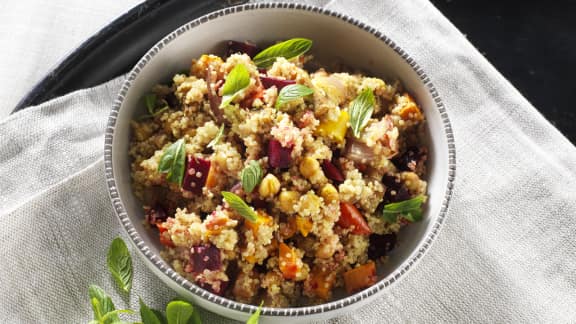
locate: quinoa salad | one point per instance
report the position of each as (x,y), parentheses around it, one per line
(270,181)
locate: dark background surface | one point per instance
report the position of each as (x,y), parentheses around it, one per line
(532,43)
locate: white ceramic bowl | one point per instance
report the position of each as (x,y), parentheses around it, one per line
(336,37)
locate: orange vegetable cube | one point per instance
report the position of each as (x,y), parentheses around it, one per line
(360,277)
(334,129)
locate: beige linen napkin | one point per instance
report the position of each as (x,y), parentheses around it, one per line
(506,253)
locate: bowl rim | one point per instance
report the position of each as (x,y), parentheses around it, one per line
(161,265)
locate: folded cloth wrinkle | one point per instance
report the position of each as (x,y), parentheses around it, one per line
(506,252)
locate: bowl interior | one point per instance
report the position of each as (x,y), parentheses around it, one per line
(335,40)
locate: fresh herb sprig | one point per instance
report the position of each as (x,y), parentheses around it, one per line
(236,81)
(288,49)
(120,264)
(251,176)
(361,110)
(292,92)
(173,162)
(152,107)
(256,315)
(410,209)
(240,206)
(217,138)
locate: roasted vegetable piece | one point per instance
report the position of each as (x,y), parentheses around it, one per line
(279,156)
(360,277)
(321,282)
(156,214)
(262,219)
(288,261)
(196,174)
(211,178)
(205,257)
(268,82)
(380,245)
(332,172)
(164,235)
(334,129)
(304,225)
(241,47)
(350,217)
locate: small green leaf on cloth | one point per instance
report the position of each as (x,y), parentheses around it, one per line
(361,110)
(120,264)
(237,80)
(101,303)
(292,92)
(179,312)
(240,206)
(150,316)
(288,49)
(173,162)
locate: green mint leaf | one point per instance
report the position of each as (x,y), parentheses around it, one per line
(256,315)
(410,209)
(361,110)
(179,312)
(292,92)
(148,315)
(173,162)
(195,318)
(237,80)
(251,176)
(120,264)
(112,316)
(240,206)
(101,303)
(150,102)
(217,138)
(288,49)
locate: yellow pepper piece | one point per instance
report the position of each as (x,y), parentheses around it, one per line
(334,129)
(304,225)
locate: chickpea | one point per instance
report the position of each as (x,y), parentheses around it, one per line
(309,167)
(288,199)
(329,193)
(269,186)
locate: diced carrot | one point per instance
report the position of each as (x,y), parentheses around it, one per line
(350,217)
(321,281)
(304,225)
(212,179)
(288,261)
(360,277)
(410,111)
(263,219)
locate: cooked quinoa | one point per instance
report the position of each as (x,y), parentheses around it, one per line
(320,199)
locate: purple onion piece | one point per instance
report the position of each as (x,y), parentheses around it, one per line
(332,172)
(205,257)
(195,174)
(213,98)
(241,47)
(279,156)
(268,82)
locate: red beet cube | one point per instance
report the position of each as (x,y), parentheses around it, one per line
(204,257)
(332,172)
(196,174)
(279,156)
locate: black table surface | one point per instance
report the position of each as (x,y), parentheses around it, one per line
(532,43)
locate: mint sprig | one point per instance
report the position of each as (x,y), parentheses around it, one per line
(240,206)
(173,162)
(237,80)
(251,176)
(292,92)
(288,49)
(255,317)
(120,264)
(410,209)
(361,110)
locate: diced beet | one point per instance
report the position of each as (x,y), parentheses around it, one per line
(332,172)
(205,257)
(381,245)
(279,156)
(259,203)
(268,82)
(156,214)
(241,47)
(196,174)
(395,190)
(408,160)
